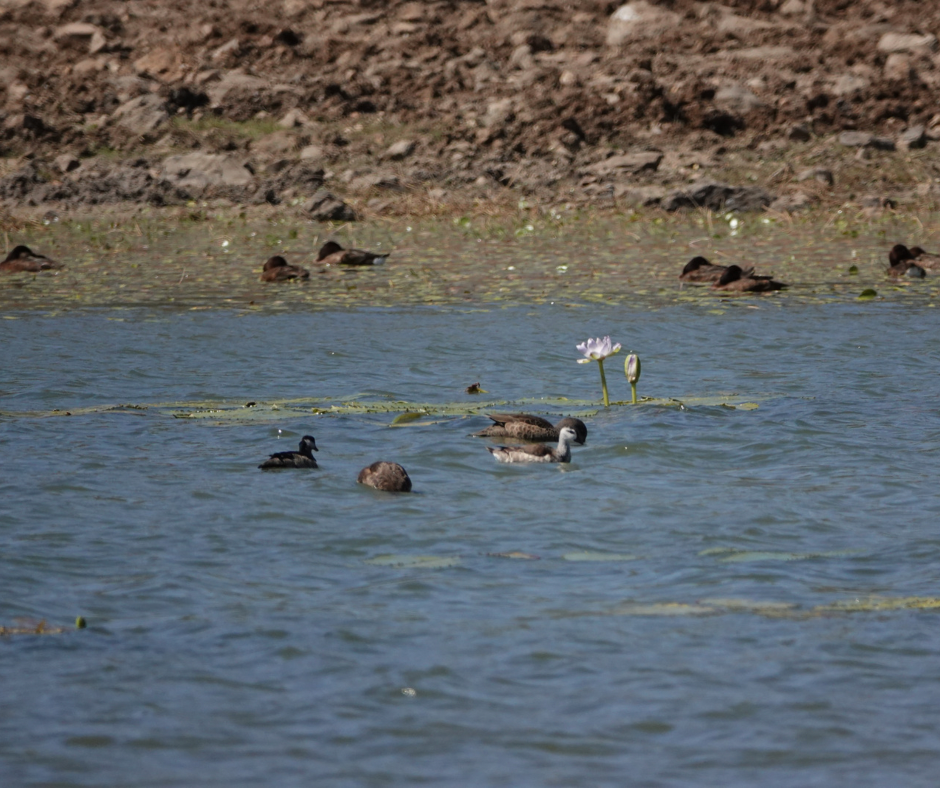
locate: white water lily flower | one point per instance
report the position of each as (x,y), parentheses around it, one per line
(632,368)
(597,349)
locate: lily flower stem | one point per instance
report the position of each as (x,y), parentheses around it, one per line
(600,365)
(633,392)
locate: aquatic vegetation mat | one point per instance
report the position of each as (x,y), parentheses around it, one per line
(197,259)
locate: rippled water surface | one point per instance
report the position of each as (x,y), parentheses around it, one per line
(734,583)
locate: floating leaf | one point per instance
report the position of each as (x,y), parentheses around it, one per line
(407,417)
(517,555)
(663,609)
(867,294)
(588,555)
(415,561)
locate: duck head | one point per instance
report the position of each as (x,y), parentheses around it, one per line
(21,252)
(307,442)
(275,262)
(330,247)
(732,274)
(694,264)
(899,253)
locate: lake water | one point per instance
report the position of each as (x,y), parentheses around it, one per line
(734,583)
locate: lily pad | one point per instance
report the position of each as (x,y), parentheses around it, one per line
(516,554)
(867,294)
(880,603)
(407,417)
(589,555)
(663,609)
(415,561)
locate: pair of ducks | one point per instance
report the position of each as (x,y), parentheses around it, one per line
(277,269)
(392,477)
(911,263)
(388,476)
(727,277)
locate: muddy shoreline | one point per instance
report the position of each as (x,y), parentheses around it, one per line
(348,110)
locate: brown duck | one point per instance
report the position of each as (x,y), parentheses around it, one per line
(332,253)
(526,427)
(22,258)
(277,269)
(901,260)
(699,270)
(387,476)
(294,459)
(738,281)
(538,452)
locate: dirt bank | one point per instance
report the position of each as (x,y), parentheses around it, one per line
(348,108)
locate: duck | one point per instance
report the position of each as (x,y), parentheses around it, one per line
(277,269)
(386,476)
(22,258)
(331,253)
(900,254)
(303,458)
(526,427)
(699,270)
(736,280)
(539,452)
(906,269)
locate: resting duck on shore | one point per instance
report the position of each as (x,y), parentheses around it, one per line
(526,427)
(901,254)
(277,269)
(386,476)
(738,281)
(22,258)
(294,459)
(699,270)
(539,452)
(331,253)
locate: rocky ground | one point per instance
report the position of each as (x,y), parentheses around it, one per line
(346,108)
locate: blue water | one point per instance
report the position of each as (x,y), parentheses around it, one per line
(250,628)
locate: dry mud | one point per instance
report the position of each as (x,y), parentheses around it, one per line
(348,109)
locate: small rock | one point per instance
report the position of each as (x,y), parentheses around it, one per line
(792,203)
(233,80)
(912,138)
(907,42)
(631,163)
(820,174)
(311,152)
(198,171)
(498,113)
(898,68)
(75,34)
(864,139)
(97,43)
(719,197)
(293,118)
(326,207)
(799,132)
(793,8)
(143,114)
(222,52)
(737,98)
(158,64)
(400,150)
(850,85)
(277,145)
(639,196)
(639,20)
(66,162)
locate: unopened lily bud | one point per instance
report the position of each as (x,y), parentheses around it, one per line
(631,368)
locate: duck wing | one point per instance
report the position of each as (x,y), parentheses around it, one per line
(288,459)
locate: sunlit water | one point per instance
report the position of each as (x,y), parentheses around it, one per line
(707,595)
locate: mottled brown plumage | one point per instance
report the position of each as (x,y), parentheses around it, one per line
(699,271)
(332,253)
(736,280)
(526,427)
(537,453)
(277,269)
(23,259)
(387,476)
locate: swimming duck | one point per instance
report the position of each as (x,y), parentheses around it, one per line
(294,459)
(332,253)
(539,452)
(736,280)
(22,258)
(524,426)
(698,269)
(906,269)
(277,269)
(900,254)
(387,476)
